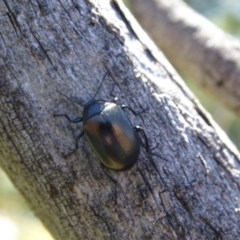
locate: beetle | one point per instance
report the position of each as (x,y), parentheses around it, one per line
(109,132)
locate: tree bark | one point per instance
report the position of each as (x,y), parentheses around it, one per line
(195,46)
(190,190)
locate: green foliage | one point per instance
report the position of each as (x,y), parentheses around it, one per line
(223,13)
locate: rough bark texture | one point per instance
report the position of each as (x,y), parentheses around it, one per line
(190,192)
(195,46)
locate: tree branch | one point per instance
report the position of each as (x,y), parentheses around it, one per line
(190,191)
(195,46)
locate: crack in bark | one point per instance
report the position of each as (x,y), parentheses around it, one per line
(12,18)
(217,232)
(45,53)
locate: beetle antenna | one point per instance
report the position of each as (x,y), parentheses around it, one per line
(70,99)
(104,77)
(83,104)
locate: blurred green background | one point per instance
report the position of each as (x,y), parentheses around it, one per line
(225,14)
(17,222)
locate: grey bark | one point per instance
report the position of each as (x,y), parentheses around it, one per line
(191,191)
(195,46)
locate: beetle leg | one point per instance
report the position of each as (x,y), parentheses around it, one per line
(125,106)
(75,120)
(77,138)
(76,145)
(146,143)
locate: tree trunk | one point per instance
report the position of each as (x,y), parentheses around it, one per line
(195,46)
(188,190)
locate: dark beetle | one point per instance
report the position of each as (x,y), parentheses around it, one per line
(110,133)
